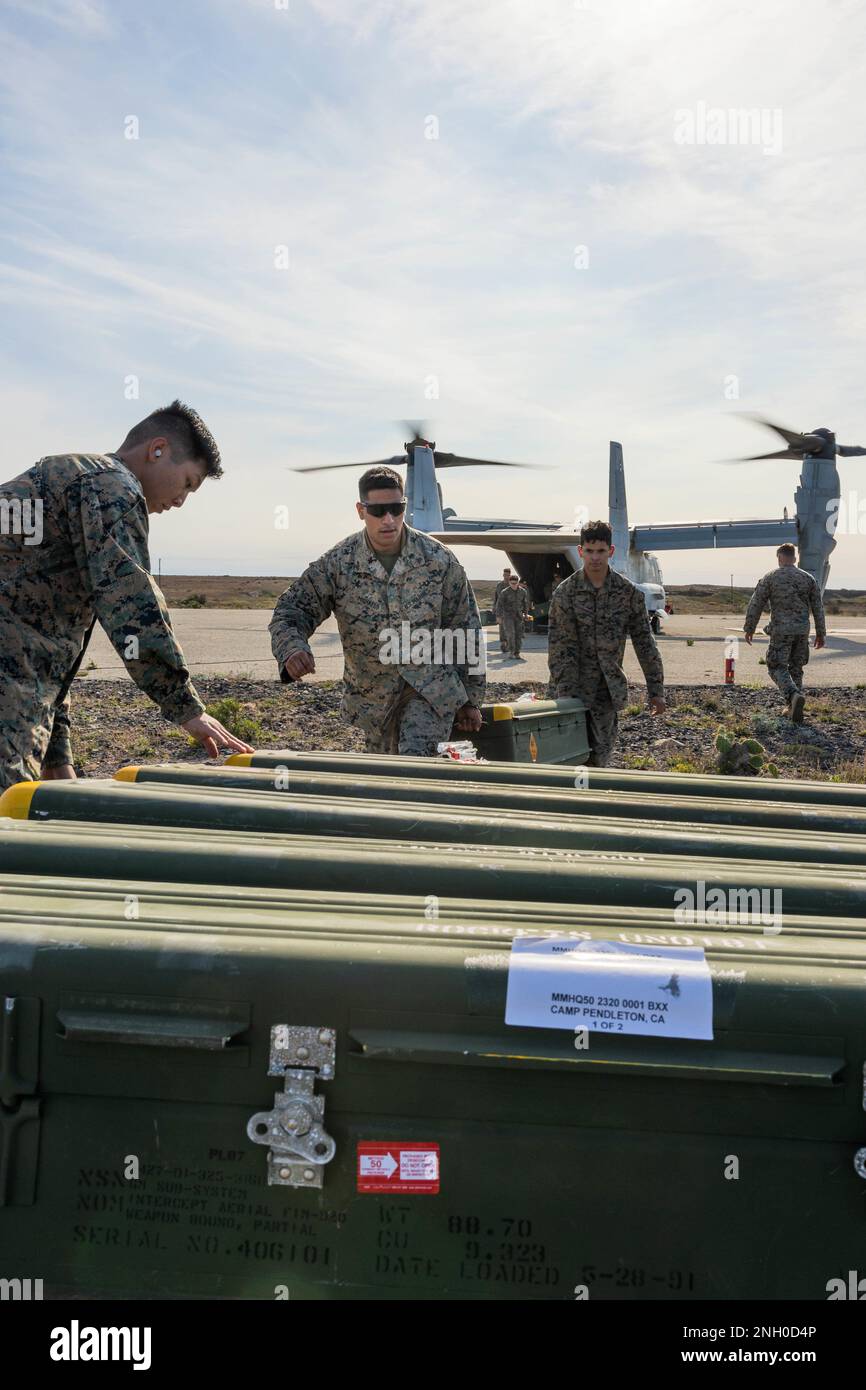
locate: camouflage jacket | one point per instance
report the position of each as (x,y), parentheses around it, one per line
(789,593)
(511,603)
(73,546)
(586,644)
(389,624)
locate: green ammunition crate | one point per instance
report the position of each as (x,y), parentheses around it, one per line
(164,1052)
(537,731)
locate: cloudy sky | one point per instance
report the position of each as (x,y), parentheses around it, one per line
(311,219)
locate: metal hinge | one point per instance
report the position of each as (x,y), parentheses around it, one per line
(299,1145)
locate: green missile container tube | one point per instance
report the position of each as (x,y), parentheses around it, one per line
(285,862)
(219,910)
(494,797)
(597,779)
(212,808)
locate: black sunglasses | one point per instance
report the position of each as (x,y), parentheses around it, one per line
(380,508)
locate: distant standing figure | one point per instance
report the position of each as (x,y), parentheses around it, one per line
(790,594)
(500,588)
(512,607)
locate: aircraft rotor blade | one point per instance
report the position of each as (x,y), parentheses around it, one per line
(756,458)
(418,429)
(800,443)
(396,462)
(458,461)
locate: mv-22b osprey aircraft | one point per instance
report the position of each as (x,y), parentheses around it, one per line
(545,552)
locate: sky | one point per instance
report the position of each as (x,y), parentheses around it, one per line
(312,219)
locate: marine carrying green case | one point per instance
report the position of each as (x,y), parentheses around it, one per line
(230,1093)
(536,731)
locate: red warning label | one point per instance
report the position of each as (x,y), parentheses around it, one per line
(397,1167)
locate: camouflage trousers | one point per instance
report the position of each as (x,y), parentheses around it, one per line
(411,727)
(15,765)
(786,657)
(512,630)
(602,724)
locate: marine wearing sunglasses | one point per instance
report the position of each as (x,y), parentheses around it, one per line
(382,515)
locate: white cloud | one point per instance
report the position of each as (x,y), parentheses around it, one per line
(453,258)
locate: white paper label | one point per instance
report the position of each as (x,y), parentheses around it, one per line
(610,987)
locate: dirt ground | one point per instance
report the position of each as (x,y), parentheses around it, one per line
(114,724)
(230,591)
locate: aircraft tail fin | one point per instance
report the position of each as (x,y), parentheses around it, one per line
(424,496)
(618,507)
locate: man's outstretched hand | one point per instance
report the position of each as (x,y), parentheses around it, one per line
(300,664)
(210,733)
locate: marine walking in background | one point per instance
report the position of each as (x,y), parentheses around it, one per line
(73,549)
(511,610)
(791,594)
(408,621)
(591,614)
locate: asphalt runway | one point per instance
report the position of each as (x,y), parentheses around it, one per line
(235,641)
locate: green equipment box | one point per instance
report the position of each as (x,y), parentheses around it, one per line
(537,731)
(230,1094)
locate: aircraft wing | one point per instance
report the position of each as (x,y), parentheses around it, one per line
(517,542)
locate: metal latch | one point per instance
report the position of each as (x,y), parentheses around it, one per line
(299,1145)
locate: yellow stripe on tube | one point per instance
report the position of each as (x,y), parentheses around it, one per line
(15,801)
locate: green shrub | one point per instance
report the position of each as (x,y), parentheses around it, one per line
(232,717)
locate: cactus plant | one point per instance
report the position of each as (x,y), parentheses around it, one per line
(742,759)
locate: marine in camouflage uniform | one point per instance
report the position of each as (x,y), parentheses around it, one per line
(586,646)
(791,594)
(500,588)
(403,705)
(512,607)
(73,549)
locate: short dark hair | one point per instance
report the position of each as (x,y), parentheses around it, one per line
(596,531)
(378,477)
(786,549)
(185,431)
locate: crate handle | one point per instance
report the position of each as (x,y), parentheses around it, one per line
(149,1030)
(675,1058)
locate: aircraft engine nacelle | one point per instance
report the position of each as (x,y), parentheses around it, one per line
(655,597)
